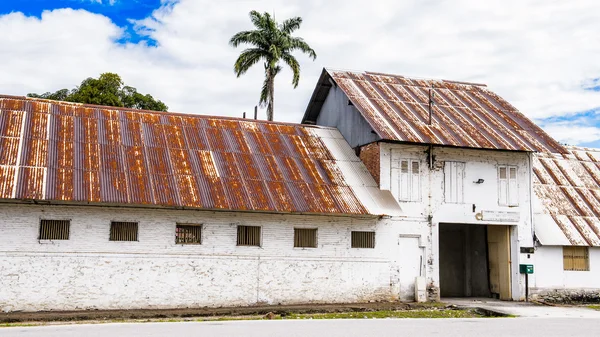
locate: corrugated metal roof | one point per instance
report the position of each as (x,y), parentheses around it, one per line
(568,191)
(68,152)
(462,114)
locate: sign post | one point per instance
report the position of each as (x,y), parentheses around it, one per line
(526,269)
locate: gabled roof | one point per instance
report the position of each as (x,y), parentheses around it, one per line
(73,153)
(462,114)
(568,191)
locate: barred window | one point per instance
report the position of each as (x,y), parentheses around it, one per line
(54,229)
(576,258)
(188,234)
(248,236)
(305,237)
(363,239)
(123,231)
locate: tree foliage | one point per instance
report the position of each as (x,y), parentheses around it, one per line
(272,43)
(108,89)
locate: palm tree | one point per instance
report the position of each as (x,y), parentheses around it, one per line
(272,42)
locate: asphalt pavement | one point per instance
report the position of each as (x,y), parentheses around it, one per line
(476,327)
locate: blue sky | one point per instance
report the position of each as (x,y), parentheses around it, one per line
(545,65)
(594,85)
(120,11)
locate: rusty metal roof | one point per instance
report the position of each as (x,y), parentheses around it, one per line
(69,152)
(568,190)
(462,114)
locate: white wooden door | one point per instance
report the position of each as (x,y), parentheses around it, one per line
(411,265)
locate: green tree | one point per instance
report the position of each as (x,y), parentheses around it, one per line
(108,89)
(271,43)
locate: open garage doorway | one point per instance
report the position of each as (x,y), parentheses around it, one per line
(475,261)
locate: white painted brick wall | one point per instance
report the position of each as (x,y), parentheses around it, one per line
(549,271)
(479,164)
(90,272)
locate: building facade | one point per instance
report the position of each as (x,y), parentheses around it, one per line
(457,158)
(567,226)
(105,208)
(391,188)
(88,270)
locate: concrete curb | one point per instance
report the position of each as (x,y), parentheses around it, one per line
(486,311)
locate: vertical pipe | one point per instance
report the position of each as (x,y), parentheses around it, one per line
(526,287)
(431,95)
(255,112)
(244,115)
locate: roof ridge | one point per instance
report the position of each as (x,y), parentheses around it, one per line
(171,113)
(581,148)
(406,77)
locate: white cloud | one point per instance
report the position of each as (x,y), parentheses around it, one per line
(537,54)
(573,133)
(110,2)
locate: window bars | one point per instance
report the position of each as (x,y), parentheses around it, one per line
(248,236)
(363,239)
(188,234)
(123,231)
(305,237)
(54,229)
(576,258)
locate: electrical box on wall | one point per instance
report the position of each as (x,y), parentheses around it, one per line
(526,268)
(527,250)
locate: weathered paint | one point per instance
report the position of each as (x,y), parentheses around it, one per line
(427,111)
(69,152)
(337,112)
(89,272)
(567,187)
(433,211)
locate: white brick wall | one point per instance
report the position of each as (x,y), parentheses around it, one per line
(90,272)
(479,164)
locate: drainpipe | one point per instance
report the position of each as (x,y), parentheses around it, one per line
(530,175)
(429,198)
(530,180)
(430,213)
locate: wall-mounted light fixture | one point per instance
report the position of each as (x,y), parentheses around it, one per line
(479,216)
(479,181)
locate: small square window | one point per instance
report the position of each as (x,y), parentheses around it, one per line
(305,237)
(363,239)
(502,172)
(415,167)
(404,166)
(123,231)
(54,229)
(248,236)
(188,234)
(576,258)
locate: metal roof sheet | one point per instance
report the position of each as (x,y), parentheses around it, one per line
(568,190)
(462,114)
(69,152)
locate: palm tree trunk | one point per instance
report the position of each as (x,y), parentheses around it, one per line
(270,106)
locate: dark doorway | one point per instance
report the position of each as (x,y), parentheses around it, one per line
(464,270)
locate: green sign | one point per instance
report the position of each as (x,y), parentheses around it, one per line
(526,268)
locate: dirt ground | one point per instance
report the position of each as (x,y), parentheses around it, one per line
(282,310)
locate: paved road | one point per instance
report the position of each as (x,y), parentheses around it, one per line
(488,327)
